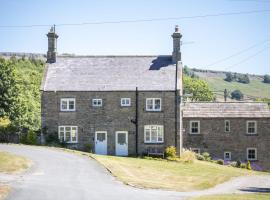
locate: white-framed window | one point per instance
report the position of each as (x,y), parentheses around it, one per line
(196,150)
(227,155)
(68,134)
(125,102)
(153,104)
(227,127)
(153,134)
(194,127)
(67,104)
(96,102)
(251,127)
(251,153)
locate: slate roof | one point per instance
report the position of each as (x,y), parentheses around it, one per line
(110,73)
(226,110)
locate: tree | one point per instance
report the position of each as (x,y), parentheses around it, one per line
(198,88)
(229,77)
(266,79)
(243,79)
(237,94)
(8,90)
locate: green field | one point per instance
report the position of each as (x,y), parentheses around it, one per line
(256,88)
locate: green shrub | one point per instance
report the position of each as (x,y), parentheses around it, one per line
(243,165)
(199,157)
(233,164)
(266,79)
(52,138)
(188,157)
(170,152)
(220,162)
(238,163)
(206,156)
(88,147)
(237,94)
(248,166)
(31,138)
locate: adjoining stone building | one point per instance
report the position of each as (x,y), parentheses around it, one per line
(229,131)
(121,105)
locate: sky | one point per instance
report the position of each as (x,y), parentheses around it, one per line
(238,43)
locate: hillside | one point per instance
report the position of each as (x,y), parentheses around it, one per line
(215,79)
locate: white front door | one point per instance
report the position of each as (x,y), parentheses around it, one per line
(101,142)
(121,143)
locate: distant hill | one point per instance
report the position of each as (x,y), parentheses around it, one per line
(252,91)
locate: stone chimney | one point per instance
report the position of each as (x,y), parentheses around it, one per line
(176,54)
(52,45)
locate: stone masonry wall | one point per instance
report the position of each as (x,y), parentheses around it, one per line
(216,141)
(111,117)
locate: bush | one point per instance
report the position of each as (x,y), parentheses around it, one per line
(248,166)
(88,147)
(238,163)
(243,166)
(188,157)
(29,138)
(233,164)
(220,162)
(170,152)
(206,156)
(229,77)
(237,94)
(199,157)
(243,79)
(266,79)
(52,138)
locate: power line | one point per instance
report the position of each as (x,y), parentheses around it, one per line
(239,52)
(140,20)
(248,58)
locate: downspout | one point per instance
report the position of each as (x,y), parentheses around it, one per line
(176,104)
(136,119)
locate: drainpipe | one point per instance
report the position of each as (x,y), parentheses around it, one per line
(136,119)
(176,104)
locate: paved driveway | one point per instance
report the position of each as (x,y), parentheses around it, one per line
(59,175)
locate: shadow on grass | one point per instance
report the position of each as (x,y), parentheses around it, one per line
(256,190)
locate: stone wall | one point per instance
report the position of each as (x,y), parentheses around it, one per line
(216,141)
(111,117)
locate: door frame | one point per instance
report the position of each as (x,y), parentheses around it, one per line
(106,138)
(116,140)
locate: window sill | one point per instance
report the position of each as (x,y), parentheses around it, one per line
(251,134)
(153,142)
(195,134)
(67,110)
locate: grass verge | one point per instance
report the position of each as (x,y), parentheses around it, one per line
(10,163)
(4,189)
(261,196)
(162,174)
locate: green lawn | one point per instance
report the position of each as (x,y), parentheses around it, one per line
(261,196)
(10,163)
(169,175)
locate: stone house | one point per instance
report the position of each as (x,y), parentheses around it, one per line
(229,131)
(120,105)
(130,105)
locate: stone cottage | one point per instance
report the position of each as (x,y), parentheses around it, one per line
(130,105)
(230,131)
(120,105)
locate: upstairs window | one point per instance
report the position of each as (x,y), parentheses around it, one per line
(68,134)
(67,104)
(194,127)
(153,134)
(96,102)
(251,154)
(251,127)
(125,102)
(227,126)
(153,104)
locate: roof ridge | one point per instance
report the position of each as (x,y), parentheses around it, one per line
(108,56)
